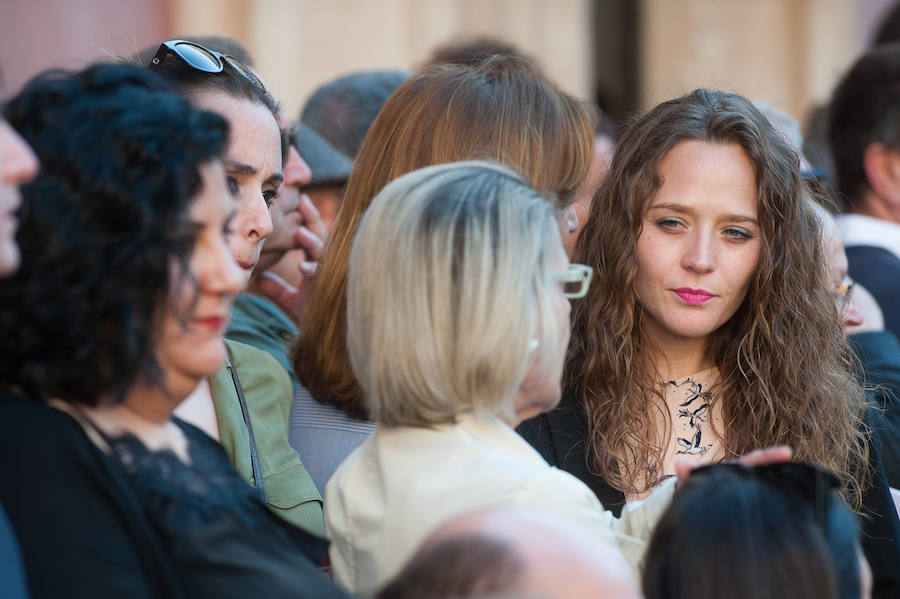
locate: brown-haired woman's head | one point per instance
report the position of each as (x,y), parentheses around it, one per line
(610,236)
(504,110)
(784,375)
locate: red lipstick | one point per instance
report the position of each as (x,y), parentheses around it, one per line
(694,297)
(211,322)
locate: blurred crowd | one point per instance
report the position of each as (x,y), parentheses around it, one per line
(445,333)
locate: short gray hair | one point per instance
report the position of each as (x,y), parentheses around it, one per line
(449,283)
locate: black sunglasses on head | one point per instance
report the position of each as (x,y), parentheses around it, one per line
(203,59)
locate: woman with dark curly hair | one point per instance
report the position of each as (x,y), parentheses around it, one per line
(115,315)
(712,328)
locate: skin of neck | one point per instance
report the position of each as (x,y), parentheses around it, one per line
(678,357)
(871,204)
(156,403)
(523,409)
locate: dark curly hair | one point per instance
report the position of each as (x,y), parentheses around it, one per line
(101,227)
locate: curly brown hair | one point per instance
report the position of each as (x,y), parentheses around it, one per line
(785,373)
(504,109)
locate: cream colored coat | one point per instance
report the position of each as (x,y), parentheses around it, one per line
(404,482)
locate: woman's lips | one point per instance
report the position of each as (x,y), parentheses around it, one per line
(211,322)
(694,297)
(246,265)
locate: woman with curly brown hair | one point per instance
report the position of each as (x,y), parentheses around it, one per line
(711,329)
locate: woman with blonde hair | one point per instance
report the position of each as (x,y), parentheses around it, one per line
(457,326)
(712,329)
(503,109)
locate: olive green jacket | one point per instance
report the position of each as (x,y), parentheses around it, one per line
(290,492)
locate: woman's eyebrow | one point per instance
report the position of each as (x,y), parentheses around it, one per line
(241,168)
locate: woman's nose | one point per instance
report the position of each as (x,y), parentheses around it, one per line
(257,224)
(700,255)
(18,163)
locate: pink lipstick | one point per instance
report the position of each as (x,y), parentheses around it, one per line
(694,297)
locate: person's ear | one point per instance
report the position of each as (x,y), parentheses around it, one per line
(882,166)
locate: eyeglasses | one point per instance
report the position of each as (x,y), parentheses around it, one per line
(203,59)
(290,136)
(575,280)
(842,295)
(812,484)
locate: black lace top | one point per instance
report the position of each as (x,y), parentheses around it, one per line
(222,539)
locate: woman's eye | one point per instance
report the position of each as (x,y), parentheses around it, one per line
(738,234)
(270,195)
(232,185)
(669,224)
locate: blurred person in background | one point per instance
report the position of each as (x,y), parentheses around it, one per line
(509,551)
(864,133)
(757,533)
(114,317)
(245,405)
(329,171)
(503,109)
(878,349)
(343,109)
(472,52)
(604,147)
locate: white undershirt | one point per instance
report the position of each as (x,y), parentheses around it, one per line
(198,409)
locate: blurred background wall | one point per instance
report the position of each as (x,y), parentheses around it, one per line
(627,54)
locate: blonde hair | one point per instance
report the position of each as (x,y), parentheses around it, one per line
(449,282)
(505,110)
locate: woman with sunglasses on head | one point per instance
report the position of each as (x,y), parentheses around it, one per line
(712,328)
(113,318)
(757,533)
(246,404)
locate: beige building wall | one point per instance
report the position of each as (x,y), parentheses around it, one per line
(788,52)
(299,44)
